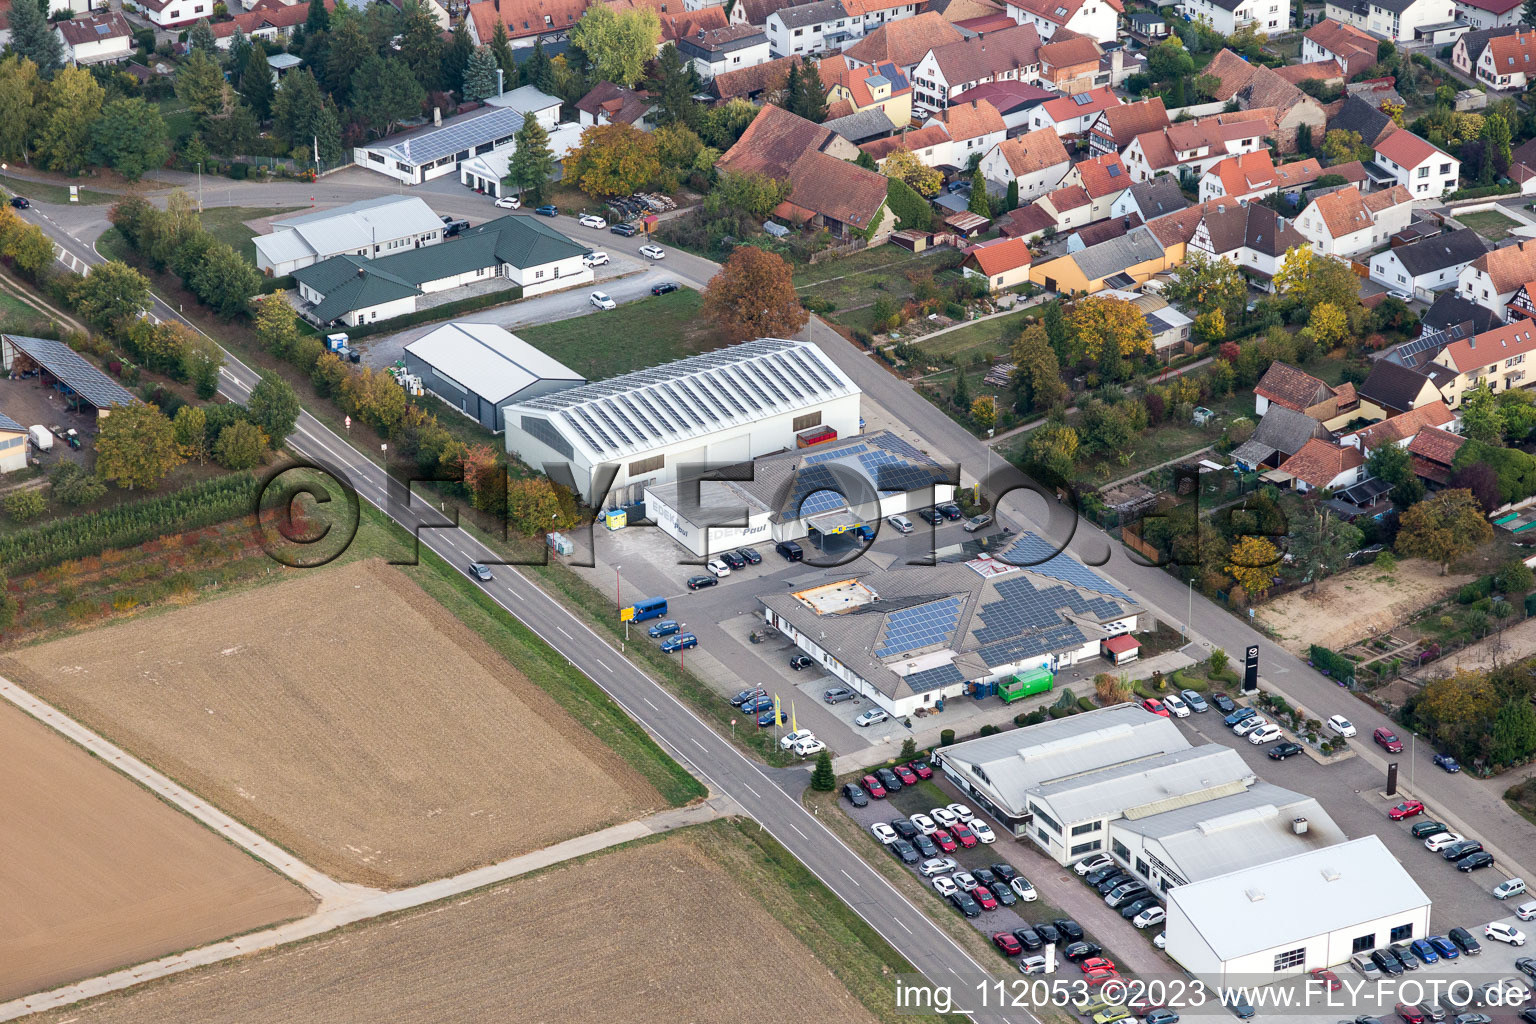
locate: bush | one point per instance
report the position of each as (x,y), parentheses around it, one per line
(1058,712)
(1475,591)
(1084,704)
(25,506)
(946,737)
(1331,663)
(954,311)
(989,730)
(239,171)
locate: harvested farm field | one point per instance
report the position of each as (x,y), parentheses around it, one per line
(348,717)
(566,944)
(96,873)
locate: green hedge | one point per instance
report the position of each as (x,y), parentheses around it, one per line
(911,209)
(1480,193)
(1475,591)
(130,524)
(443,312)
(1332,663)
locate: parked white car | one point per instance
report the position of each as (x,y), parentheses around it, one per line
(883,832)
(901,523)
(1264,734)
(926,825)
(602,301)
(1149,917)
(983,830)
(962,812)
(945,886)
(1440,840)
(509,203)
(653,252)
(718,567)
(1176,707)
(1511,887)
(1341,725)
(937,866)
(805,748)
(1161,940)
(944,816)
(1032,964)
(1026,891)
(595,259)
(1253,724)
(1091,864)
(790,739)
(966,880)
(1505,933)
(589,221)
(1526,911)
(871,717)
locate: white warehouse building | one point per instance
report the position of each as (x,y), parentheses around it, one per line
(369,228)
(1287,917)
(720,408)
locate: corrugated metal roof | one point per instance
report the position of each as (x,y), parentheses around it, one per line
(347,228)
(489,360)
(1167,781)
(73,372)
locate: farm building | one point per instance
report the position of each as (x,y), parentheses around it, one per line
(721,408)
(432,151)
(13,445)
(910,635)
(818,491)
(478,368)
(1289,916)
(81,383)
(354,290)
(370,228)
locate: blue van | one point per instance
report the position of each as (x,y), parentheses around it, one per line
(650,608)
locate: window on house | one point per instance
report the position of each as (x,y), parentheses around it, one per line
(1084,829)
(1290,958)
(1363,943)
(1082,848)
(1423,172)
(1402,933)
(1114,844)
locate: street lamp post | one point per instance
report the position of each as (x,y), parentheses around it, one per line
(618,602)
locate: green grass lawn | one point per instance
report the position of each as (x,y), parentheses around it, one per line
(180,121)
(44,192)
(13,308)
(1491,224)
(990,338)
(852,283)
(227,224)
(634,336)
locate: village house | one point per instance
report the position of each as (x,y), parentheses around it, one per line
(1010,54)
(1344,222)
(1036,160)
(1352,49)
(1096,19)
(1428,266)
(1426,171)
(1492,280)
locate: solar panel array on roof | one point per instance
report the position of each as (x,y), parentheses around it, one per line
(1044,641)
(933,678)
(817,502)
(911,629)
(1043,558)
(79,376)
(468,134)
(1023,607)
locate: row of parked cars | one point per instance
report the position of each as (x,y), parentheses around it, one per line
(1121,890)
(884,781)
(722,565)
(1466,854)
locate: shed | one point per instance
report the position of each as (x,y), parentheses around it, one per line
(478,368)
(64,368)
(1121,650)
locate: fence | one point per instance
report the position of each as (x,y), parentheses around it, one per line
(833,251)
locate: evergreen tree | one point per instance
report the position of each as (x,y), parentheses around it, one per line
(200,85)
(822,778)
(387,93)
(672,87)
(456,59)
(532,162)
(792,88)
(811,103)
(1529,17)
(201,39)
(350,49)
(235,57)
(319,19)
(421,47)
(979,201)
(1514,732)
(256,83)
(33,38)
(866,161)
(536,70)
(302,118)
(1013,194)
(480,75)
(501,49)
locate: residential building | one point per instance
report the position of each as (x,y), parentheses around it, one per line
(1148,25)
(973,128)
(1117,125)
(1003,263)
(367,228)
(270,21)
(826,190)
(1495,360)
(1253,237)
(1391,388)
(1170,328)
(865,126)
(1256,87)
(175,13)
(13,445)
(1401,21)
(930,144)
(714,51)
(1102,180)
(1330,39)
(956,11)
(882,87)
(1325,72)
(1429,265)
(1508,62)
(1149,199)
(1486,14)
(1075,114)
(606,103)
(1426,171)
(1015,101)
(480,368)
(618,436)
(1280,434)
(95,38)
(907,636)
(809,28)
(1010,54)
(756,12)
(1036,160)
(1254,175)
(530,101)
(525,20)
(1228,17)
(903,42)
(1344,222)
(352,290)
(1400,428)
(1097,19)
(1433,454)
(1468,50)
(1321,466)
(1195,146)
(1306,912)
(1493,278)
(1123,262)
(422,154)
(870,15)
(1359,116)
(1069,65)
(754,83)
(1299,391)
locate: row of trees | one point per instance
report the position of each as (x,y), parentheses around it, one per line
(174,239)
(65,120)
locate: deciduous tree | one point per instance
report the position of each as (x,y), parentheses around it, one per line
(617,45)
(1328,325)
(924,179)
(1514,732)
(129,137)
(753,296)
(613,160)
(1442,528)
(1104,324)
(241,445)
(22,92)
(274,407)
(224,280)
(1037,370)
(1309,278)
(112,292)
(1208,284)
(1481,417)
(1252,564)
(984,412)
(1052,451)
(137,447)
(534,507)
(1391,464)
(191,428)
(73,105)
(1321,545)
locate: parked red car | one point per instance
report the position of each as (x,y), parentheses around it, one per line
(1324,976)
(1155,706)
(981,894)
(945,841)
(1388,741)
(966,837)
(1097,963)
(1406,809)
(921,769)
(907,776)
(1007,943)
(873,788)
(1096,978)
(1409,1013)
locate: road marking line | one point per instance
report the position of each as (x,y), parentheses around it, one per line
(698,744)
(797,829)
(909,932)
(850,878)
(567,635)
(754,792)
(600,662)
(652,706)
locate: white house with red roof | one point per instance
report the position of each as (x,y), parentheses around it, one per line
(1426,171)
(1345,222)
(1004,262)
(1254,175)
(1075,114)
(1499,359)
(1402,21)
(1485,14)
(1198,145)
(1096,19)
(1508,62)
(171,13)
(1006,55)
(1230,16)
(1036,160)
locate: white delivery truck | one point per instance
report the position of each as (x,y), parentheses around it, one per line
(42,437)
